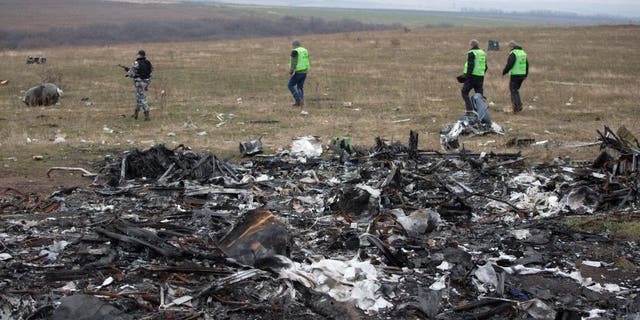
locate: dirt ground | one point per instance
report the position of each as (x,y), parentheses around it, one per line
(35,181)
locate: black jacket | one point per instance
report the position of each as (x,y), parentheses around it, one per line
(142,68)
(511,61)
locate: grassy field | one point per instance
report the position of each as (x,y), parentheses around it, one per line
(362,85)
(40,15)
(402,17)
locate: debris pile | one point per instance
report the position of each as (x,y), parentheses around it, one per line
(473,123)
(382,232)
(46,94)
(36,60)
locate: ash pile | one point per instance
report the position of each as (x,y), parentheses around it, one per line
(383,232)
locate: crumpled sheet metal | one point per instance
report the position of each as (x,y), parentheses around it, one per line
(258,234)
(169,247)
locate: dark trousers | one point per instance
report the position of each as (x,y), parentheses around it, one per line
(296,86)
(475,83)
(514,85)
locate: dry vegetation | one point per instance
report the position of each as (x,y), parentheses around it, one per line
(39,24)
(582,78)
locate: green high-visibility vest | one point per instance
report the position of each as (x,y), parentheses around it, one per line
(303,59)
(479,62)
(520,65)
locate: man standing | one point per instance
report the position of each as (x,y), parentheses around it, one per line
(474,70)
(298,67)
(518,69)
(141,72)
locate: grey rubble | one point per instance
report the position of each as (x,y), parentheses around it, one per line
(449,236)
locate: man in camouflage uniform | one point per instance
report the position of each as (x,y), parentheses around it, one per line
(141,72)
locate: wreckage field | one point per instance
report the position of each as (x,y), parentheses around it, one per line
(231,204)
(388,231)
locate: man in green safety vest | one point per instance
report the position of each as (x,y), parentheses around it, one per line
(298,67)
(518,69)
(474,70)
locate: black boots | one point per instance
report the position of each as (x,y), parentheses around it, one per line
(146,115)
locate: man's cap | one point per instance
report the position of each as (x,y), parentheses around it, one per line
(296,43)
(142,53)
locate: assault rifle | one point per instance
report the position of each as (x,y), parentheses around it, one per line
(126,69)
(123,67)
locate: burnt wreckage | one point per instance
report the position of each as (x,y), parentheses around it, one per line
(388,232)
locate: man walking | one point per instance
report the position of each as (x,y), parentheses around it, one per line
(474,70)
(141,72)
(298,67)
(518,69)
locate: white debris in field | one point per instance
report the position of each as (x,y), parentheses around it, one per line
(575,275)
(595,264)
(98,207)
(444,266)
(5,256)
(54,250)
(488,142)
(439,284)
(224,119)
(418,222)
(504,257)
(532,196)
(537,309)
(59,139)
(69,287)
(189,124)
(307,146)
(608,287)
(263,178)
(521,234)
(595,314)
(179,301)
(582,200)
(201,133)
(106,129)
(353,281)
(105,283)
(487,275)
(375,193)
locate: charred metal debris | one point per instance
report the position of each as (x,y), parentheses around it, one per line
(388,232)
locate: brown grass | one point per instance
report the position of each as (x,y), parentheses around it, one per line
(386,76)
